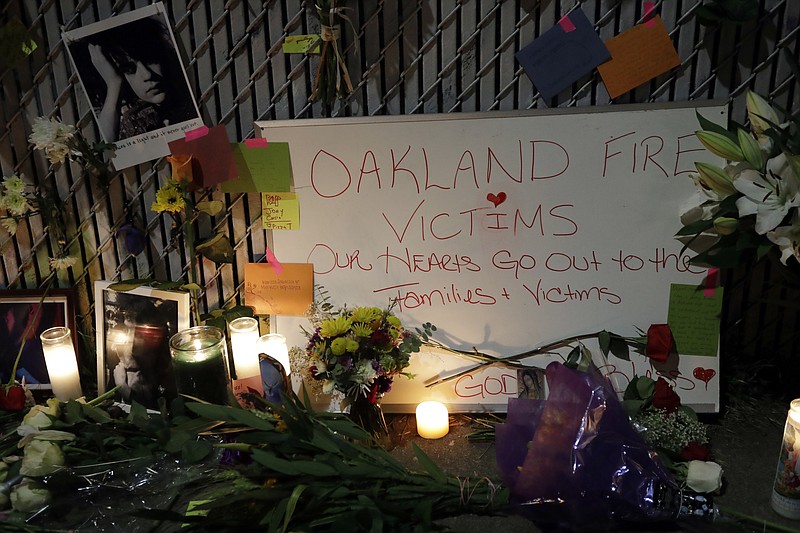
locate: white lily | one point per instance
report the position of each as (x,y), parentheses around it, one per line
(787,239)
(759,112)
(769,196)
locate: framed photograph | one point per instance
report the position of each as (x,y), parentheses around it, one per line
(133,329)
(132,73)
(531,383)
(22,320)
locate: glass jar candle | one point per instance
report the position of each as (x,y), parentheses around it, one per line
(62,365)
(200,363)
(244,337)
(274,345)
(786,488)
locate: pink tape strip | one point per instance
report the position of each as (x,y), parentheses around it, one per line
(711,282)
(649,7)
(202,131)
(273,261)
(256,143)
(566,24)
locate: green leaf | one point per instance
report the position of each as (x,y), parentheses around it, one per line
(604,340)
(130,284)
(620,348)
(210,207)
(429,466)
(218,249)
(693,228)
(645,387)
(707,125)
(195,450)
(191,287)
(291,504)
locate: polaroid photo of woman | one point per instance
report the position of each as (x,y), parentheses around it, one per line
(131,70)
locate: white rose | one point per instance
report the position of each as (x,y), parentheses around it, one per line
(39,415)
(41,457)
(704,476)
(29,496)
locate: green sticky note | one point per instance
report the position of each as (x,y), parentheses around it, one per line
(694,319)
(16,42)
(261,169)
(301,44)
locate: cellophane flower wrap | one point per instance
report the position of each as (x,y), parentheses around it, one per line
(575,461)
(359,351)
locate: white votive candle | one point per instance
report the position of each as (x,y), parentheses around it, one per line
(62,365)
(274,345)
(244,339)
(432,420)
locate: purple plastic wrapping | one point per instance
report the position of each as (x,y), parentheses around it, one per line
(575,461)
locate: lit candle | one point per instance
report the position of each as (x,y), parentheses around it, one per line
(199,360)
(62,365)
(785,499)
(244,336)
(274,345)
(432,420)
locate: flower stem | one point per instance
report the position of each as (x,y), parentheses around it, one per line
(191,215)
(28,329)
(513,360)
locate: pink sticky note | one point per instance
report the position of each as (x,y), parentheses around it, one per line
(566,24)
(260,142)
(196,133)
(273,261)
(648,12)
(711,282)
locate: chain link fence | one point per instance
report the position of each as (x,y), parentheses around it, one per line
(404,57)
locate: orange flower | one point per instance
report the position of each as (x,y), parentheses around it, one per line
(181,167)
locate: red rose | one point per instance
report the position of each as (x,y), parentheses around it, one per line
(12,398)
(660,343)
(664,397)
(696,452)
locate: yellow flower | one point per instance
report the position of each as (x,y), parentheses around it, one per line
(352,345)
(335,326)
(41,458)
(181,167)
(63,262)
(365,314)
(169,199)
(339,346)
(41,416)
(362,330)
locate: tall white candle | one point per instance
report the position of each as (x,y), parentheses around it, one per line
(433,420)
(62,365)
(274,345)
(244,339)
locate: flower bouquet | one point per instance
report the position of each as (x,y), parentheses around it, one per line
(751,206)
(357,352)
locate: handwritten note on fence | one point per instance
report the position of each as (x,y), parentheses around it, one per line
(505,230)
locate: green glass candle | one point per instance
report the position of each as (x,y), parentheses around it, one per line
(200,363)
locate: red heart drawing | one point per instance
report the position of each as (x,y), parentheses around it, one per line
(496,200)
(704,374)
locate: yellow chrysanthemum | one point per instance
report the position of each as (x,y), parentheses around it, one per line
(335,326)
(339,346)
(352,345)
(169,199)
(362,330)
(365,314)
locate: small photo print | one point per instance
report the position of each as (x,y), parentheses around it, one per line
(132,73)
(133,332)
(530,383)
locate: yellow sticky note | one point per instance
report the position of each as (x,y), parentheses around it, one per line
(280,210)
(301,44)
(288,293)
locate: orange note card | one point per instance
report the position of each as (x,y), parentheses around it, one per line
(638,55)
(290,293)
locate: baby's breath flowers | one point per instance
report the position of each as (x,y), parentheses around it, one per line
(670,431)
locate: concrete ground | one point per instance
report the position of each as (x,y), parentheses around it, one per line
(745,440)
